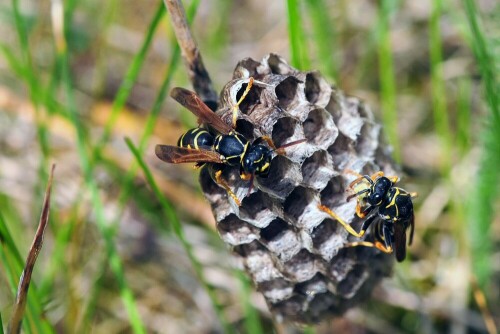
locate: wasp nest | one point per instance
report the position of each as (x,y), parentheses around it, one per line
(293,251)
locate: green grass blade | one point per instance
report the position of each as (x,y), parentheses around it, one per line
(325,36)
(22,35)
(119,102)
(128,81)
(440,110)
(481,213)
(171,216)
(106,232)
(13,61)
(298,49)
(34,87)
(149,127)
(463,116)
(8,241)
(387,77)
(1,324)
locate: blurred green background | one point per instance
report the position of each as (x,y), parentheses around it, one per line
(131,245)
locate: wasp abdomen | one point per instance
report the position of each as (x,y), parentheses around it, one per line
(196,138)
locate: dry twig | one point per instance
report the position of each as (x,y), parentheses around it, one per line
(191,54)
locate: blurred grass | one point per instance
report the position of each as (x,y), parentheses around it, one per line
(486,192)
(318,39)
(440,109)
(386,74)
(297,36)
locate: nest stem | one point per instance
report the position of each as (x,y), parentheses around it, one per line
(197,72)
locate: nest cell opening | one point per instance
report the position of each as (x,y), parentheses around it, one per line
(283,177)
(276,227)
(348,287)
(319,128)
(251,100)
(247,64)
(317,90)
(235,231)
(301,207)
(245,128)
(257,209)
(278,66)
(328,238)
(301,267)
(283,129)
(318,169)
(284,244)
(286,92)
(276,290)
(334,192)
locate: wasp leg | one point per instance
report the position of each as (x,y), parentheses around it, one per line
(198,165)
(220,180)
(365,212)
(269,142)
(348,227)
(236,106)
(377,175)
(359,179)
(413,194)
(394,179)
(376,244)
(350,171)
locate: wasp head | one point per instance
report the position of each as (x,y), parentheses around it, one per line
(256,160)
(379,191)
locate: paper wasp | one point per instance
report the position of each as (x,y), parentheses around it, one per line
(377,197)
(224,146)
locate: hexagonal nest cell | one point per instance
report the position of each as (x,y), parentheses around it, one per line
(293,251)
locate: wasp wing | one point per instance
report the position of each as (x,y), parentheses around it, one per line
(400,241)
(412,228)
(205,115)
(177,155)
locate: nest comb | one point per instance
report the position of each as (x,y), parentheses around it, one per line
(293,251)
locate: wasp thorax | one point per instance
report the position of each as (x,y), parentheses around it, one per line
(295,252)
(380,191)
(231,147)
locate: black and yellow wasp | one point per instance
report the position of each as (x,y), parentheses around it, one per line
(217,142)
(377,197)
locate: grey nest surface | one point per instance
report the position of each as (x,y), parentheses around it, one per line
(293,251)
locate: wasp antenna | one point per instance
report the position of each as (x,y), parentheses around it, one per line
(281,149)
(352,172)
(357,194)
(261,83)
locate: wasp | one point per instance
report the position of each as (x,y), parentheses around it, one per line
(377,197)
(224,147)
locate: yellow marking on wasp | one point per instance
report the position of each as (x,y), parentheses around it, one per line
(244,150)
(266,166)
(393,201)
(196,139)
